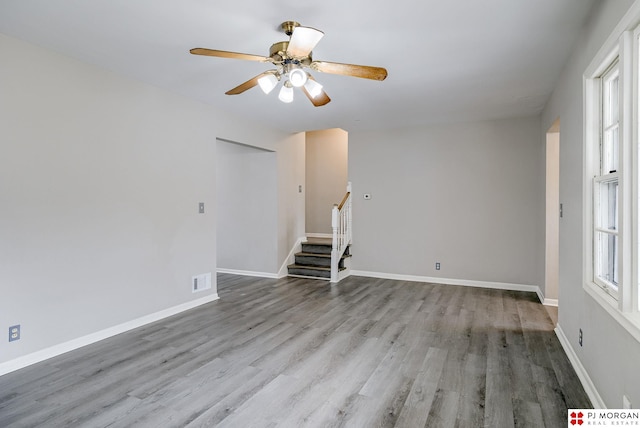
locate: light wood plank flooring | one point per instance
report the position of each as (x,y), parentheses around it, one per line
(302,353)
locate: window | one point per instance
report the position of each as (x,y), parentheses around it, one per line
(605,185)
(612,186)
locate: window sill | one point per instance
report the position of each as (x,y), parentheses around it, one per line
(629,321)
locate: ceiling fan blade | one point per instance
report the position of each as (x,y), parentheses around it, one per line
(302,42)
(364,71)
(320,99)
(248,84)
(226,54)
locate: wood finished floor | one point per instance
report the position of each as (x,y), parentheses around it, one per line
(301,353)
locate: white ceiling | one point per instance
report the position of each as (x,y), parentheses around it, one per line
(448,60)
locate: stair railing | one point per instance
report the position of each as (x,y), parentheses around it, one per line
(341,225)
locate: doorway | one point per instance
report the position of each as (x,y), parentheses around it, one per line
(326,177)
(246,209)
(552,222)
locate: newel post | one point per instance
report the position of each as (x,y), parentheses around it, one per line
(335,257)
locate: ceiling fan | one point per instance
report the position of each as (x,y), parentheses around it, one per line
(291,58)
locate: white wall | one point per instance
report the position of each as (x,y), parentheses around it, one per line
(291,201)
(100,180)
(326,176)
(609,354)
(468,196)
(247,208)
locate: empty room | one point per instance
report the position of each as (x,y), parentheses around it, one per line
(277,214)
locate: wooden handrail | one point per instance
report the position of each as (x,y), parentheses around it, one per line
(341,236)
(344,200)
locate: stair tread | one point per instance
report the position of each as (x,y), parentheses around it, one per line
(313,260)
(307,254)
(319,241)
(322,278)
(323,268)
(328,243)
(295,266)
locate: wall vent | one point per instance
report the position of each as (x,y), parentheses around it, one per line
(200,282)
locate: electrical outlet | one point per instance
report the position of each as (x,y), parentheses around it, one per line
(14,333)
(201,208)
(437,265)
(580,338)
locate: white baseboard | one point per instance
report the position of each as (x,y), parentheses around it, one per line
(587,384)
(550,302)
(71,345)
(449,281)
(346,272)
(248,273)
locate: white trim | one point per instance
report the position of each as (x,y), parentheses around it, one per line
(587,384)
(633,296)
(550,302)
(248,273)
(347,271)
(449,281)
(297,247)
(54,351)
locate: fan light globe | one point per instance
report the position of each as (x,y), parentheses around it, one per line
(286,94)
(297,77)
(267,83)
(313,87)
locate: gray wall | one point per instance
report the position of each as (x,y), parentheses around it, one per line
(100,179)
(246,201)
(469,196)
(609,354)
(326,176)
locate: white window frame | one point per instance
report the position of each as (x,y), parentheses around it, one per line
(622,46)
(609,285)
(606,176)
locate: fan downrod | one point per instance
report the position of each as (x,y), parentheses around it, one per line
(289,26)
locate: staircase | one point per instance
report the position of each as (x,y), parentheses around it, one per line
(314,261)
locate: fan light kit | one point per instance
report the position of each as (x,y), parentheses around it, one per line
(291,58)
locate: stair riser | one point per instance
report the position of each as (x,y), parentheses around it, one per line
(309,272)
(317,249)
(316,261)
(320,249)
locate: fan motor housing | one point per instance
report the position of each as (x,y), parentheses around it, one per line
(278,52)
(277,49)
